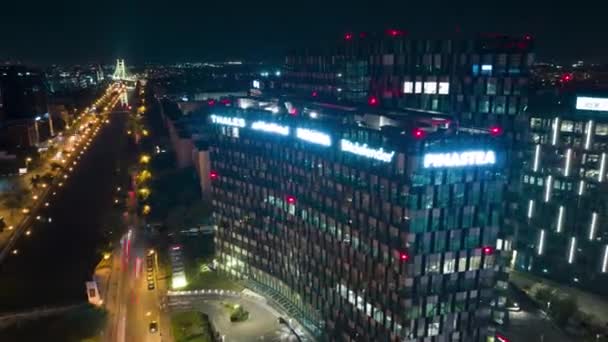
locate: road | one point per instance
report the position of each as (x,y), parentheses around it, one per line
(132,306)
(531,324)
(56,258)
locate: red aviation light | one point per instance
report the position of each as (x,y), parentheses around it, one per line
(291,200)
(348,36)
(373,101)
(495,130)
(403,256)
(314,94)
(487,250)
(213,175)
(211,102)
(394,33)
(418,133)
(501,338)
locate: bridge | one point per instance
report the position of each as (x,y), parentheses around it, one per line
(120,74)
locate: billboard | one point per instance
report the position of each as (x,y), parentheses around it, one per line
(592,103)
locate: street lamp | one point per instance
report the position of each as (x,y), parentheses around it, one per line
(144,159)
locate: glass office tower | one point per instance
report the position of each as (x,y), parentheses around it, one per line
(365,227)
(564,232)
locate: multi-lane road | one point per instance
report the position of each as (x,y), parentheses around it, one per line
(134,294)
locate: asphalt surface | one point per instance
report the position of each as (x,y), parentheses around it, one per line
(262,324)
(531,324)
(58,257)
(131,304)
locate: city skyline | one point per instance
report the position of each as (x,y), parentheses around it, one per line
(187,30)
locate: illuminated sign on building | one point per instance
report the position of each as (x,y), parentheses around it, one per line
(270,127)
(313,136)
(228,121)
(365,151)
(256,84)
(592,103)
(457,159)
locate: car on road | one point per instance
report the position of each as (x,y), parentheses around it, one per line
(153,327)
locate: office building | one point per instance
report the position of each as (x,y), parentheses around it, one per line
(365,225)
(564,230)
(482,82)
(24,116)
(23,92)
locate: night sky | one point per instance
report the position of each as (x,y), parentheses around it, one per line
(80,31)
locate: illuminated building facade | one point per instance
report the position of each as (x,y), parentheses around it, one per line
(368,228)
(564,230)
(482,82)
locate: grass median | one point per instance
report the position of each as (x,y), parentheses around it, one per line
(191,326)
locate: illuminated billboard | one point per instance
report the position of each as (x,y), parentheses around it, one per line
(365,151)
(270,127)
(459,159)
(592,103)
(313,136)
(227,120)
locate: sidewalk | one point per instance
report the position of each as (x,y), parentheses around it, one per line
(14,218)
(588,303)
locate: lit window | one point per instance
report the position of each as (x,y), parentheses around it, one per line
(486,69)
(418,88)
(444,88)
(475,69)
(601,129)
(408,87)
(567,126)
(430,87)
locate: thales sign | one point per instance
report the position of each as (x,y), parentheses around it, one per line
(459,159)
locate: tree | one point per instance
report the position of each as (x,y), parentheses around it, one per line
(563,308)
(15,198)
(544,294)
(56,166)
(35,181)
(47,178)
